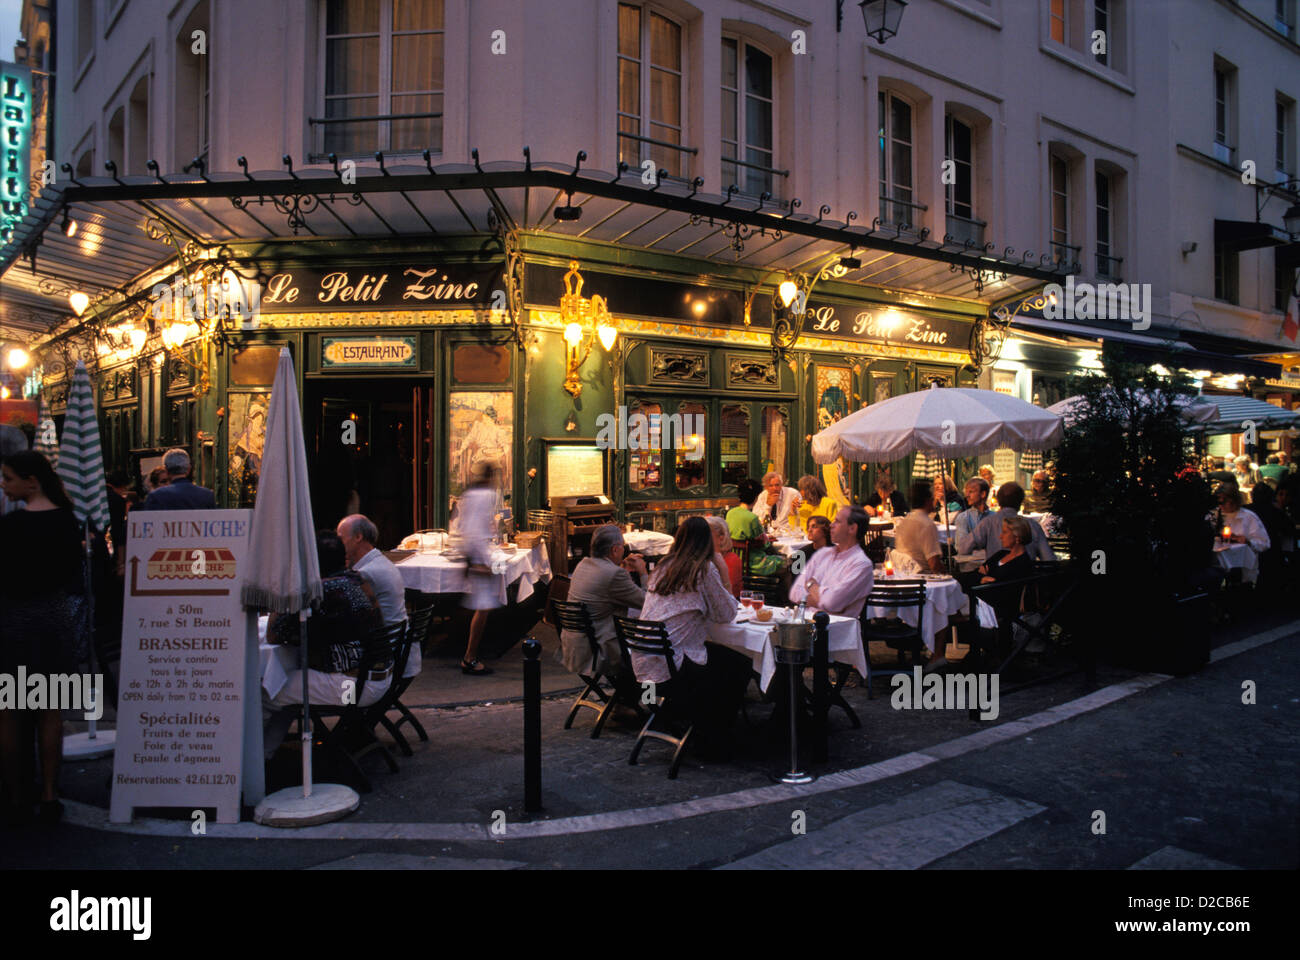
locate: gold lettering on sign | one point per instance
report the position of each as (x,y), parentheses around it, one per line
(336,285)
(280,289)
(432,285)
(825,319)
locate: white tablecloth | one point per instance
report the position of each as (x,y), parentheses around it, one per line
(277,660)
(943,598)
(432,573)
(788,546)
(755,641)
(648,543)
(1238,556)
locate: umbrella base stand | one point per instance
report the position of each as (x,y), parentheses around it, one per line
(289,808)
(82,746)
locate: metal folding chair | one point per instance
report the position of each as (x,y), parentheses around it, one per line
(895,632)
(651,637)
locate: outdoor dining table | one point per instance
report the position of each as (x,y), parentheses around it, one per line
(789,546)
(944,597)
(754,640)
(435,573)
(1238,556)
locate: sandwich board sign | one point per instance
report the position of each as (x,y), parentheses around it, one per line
(188,704)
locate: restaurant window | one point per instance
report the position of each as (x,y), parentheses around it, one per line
(896,182)
(734,440)
(650,87)
(1224,111)
(383,76)
(772,448)
(1060,174)
(645,459)
(748,124)
(1283,137)
(690,434)
(959,195)
(480,429)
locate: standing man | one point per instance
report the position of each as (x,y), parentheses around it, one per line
(359,536)
(977,506)
(180,492)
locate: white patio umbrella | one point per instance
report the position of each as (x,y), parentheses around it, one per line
(81,468)
(1191,409)
(949,422)
(283,576)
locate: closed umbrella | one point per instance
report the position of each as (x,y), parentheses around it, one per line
(81,468)
(283,576)
(951,422)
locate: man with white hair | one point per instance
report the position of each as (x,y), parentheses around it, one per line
(777,501)
(180,492)
(359,535)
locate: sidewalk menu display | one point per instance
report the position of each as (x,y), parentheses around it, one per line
(181,710)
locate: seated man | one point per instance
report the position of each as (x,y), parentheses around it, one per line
(988,536)
(179,492)
(839,579)
(359,536)
(916,536)
(723,545)
(977,500)
(336,636)
(745,527)
(778,502)
(604,583)
(886,498)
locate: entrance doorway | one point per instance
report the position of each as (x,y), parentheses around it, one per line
(364,440)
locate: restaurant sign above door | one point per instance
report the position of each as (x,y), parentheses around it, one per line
(352,352)
(422,286)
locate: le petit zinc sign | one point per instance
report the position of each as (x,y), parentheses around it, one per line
(350,352)
(415,287)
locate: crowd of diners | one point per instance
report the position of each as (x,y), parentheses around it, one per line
(1257,505)
(700,578)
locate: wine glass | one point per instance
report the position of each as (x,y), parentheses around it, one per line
(756,601)
(746,598)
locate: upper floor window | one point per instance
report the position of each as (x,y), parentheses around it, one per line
(1060,174)
(959,194)
(1056,17)
(85,29)
(1101,24)
(748,124)
(1284,17)
(650,84)
(1283,138)
(1223,112)
(1108,263)
(383,76)
(896,180)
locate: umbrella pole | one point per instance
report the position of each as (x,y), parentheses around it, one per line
(90,625)
(947,520)
(306,704)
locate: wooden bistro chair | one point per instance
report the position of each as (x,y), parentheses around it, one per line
(896,633)
(772,589)
(651,637)
(575,616)
(353,736)
(417,629)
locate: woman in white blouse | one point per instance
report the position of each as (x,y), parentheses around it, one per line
(688,591)
(1245,525)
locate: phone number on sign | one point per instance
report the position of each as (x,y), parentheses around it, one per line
(210,779)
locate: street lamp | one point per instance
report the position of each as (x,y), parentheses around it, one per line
(1291,219)
(880,16)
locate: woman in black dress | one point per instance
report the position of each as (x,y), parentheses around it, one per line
(1011,562)
(42,605)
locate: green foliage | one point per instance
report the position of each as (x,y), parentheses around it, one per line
(1116,469)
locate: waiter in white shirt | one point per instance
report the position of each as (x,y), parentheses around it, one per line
(839,578)
(777,501)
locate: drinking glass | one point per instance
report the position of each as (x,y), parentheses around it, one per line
(756,601)
(746,598)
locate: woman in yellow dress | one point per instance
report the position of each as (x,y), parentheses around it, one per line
(816,502)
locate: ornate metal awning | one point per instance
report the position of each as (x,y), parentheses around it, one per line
(127,227)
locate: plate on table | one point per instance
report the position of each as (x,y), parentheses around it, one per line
(397,556)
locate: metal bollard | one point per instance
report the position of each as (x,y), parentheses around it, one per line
(532,725)
(821,687)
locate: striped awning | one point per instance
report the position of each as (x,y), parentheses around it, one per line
(81,459)
(1237,413)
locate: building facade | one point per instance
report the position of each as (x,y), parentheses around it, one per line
(914,192)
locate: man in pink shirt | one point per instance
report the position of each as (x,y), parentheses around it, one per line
(838,578)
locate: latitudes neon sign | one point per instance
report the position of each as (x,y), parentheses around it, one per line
(15,142)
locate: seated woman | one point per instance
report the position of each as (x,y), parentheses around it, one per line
(814,501)
(1011,562)
(723,545)
(336,638)
(819,532)
(885,498)
(746,528)
(1246,525)
(945,492)
(687,592)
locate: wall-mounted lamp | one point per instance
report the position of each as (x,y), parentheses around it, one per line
(578,314)
(880,16)
(78,301)
(69,226)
